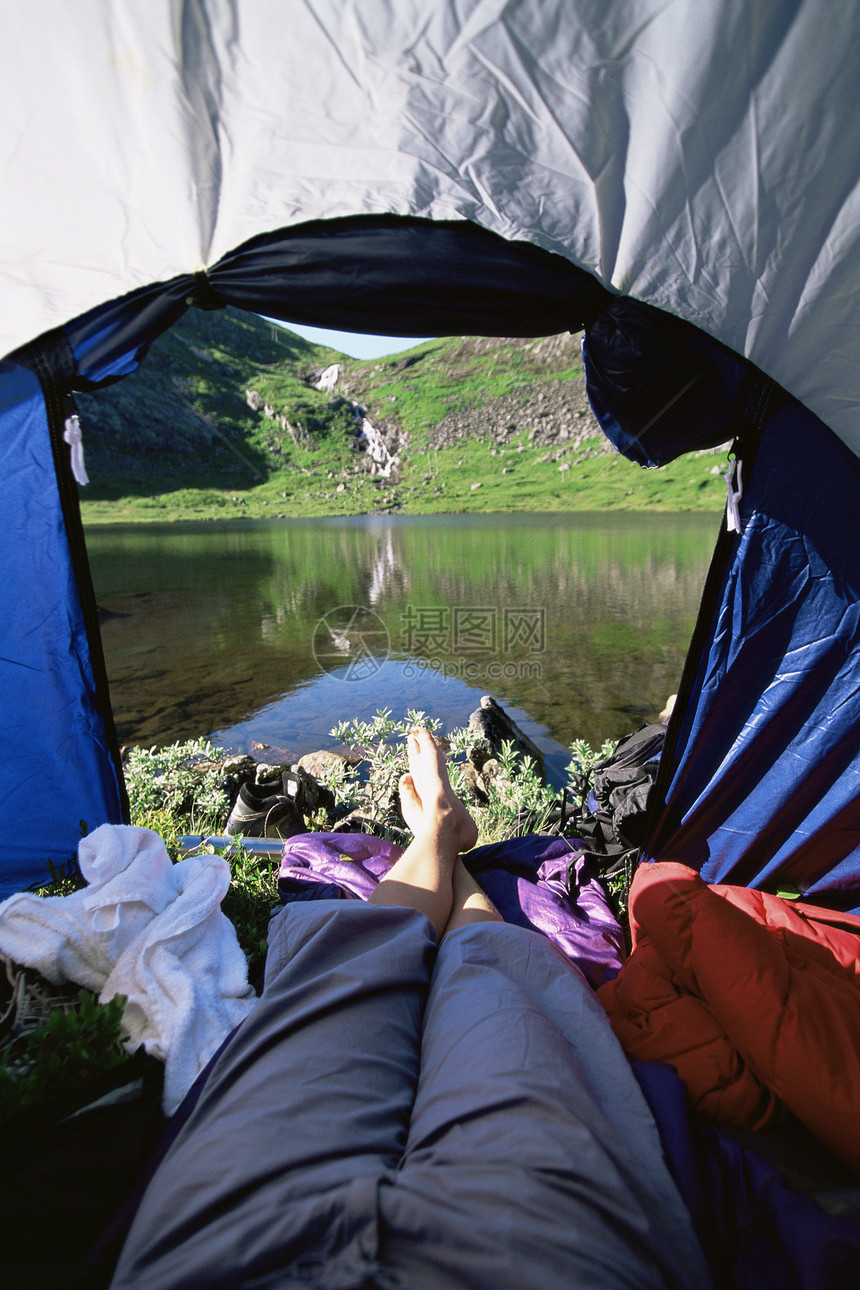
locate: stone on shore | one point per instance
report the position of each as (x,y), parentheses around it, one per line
(319,763)
(491,727)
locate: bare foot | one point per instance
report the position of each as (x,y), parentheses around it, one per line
(427,800)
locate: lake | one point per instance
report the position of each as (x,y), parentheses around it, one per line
(267,633)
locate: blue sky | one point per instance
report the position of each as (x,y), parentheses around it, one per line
(354,343)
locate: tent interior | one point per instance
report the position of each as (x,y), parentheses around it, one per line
(678,184)
(759,782)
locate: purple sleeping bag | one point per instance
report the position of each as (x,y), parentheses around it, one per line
(535,882)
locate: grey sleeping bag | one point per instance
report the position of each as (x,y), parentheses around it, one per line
(396,1116)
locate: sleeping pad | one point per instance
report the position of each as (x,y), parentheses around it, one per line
(396,1115)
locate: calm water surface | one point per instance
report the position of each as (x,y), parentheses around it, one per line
(270,632)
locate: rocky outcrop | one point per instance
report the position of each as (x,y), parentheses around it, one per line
(327,379)
(491,727)
(383,451)
(225,391)
(556,415)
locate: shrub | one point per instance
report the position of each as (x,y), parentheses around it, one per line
(176,789)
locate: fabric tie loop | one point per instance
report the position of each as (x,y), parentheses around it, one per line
(73,437)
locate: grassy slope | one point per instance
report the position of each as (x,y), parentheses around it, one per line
(184,439)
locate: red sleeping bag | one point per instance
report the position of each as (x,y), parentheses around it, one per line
(754,1000)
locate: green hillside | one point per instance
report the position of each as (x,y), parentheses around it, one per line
(224,419)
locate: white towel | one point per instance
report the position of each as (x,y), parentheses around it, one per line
(150,930)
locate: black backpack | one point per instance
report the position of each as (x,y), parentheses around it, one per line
(616,793)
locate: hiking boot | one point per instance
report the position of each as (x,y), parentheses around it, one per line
(310,794)
(259,813)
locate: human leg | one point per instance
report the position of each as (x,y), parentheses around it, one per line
(305,1110)
(532,1158)
(470,903)
(423,877)
(305,1114)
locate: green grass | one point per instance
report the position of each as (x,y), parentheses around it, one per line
(534,481)
(437,482)
(423,394)
(49,1067)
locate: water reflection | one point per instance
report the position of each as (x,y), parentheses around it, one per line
(580,623)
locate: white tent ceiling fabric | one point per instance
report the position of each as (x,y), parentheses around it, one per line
(700,155)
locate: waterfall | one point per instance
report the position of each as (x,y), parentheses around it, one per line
(370,438)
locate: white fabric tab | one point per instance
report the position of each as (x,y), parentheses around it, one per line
(73,437)
(735,493)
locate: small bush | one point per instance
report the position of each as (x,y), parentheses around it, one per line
(251,899)
(176,789)
(519,801)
